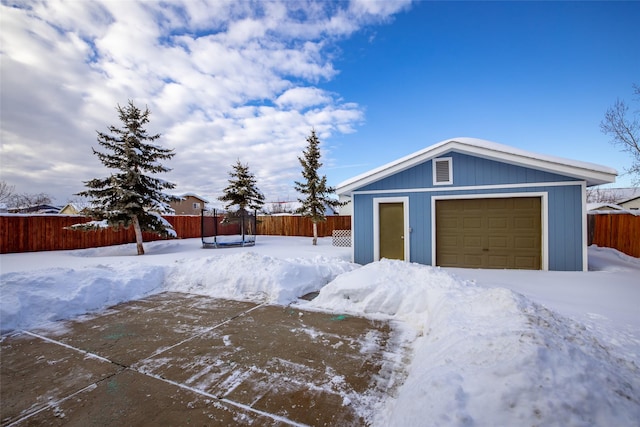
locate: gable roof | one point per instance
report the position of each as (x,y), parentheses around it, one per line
(76,207)
(194,195)
(592,173)
(600,206)
(630,195)
(630,199)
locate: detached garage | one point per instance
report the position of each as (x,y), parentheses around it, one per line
(471,203)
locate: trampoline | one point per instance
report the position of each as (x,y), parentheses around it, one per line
(238,230)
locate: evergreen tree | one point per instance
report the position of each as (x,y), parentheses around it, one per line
(242,192)
(314,188)
(131,195)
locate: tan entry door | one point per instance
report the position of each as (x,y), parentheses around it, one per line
(391,223)
(489,233)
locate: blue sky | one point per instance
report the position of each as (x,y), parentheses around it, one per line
(538,76)
(249,79)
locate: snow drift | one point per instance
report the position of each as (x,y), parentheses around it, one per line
(482,355)
(40,296)
(487,356)
(251,276)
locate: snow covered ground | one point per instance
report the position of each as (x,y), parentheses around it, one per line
(492,347)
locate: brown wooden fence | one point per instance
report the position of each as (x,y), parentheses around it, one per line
(30,233)
(300,226)
(618,231)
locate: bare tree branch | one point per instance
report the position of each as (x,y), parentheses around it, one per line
(624,130)
(6,191)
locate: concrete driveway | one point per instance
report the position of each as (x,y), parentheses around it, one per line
(179,359)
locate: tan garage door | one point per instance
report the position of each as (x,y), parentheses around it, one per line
(489,233)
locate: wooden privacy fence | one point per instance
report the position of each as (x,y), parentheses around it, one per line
(30,233)
(300,226)
(618,231)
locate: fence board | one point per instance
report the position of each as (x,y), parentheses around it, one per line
(30,233)
(300,226)
(618,231)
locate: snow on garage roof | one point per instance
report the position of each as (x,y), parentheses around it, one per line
(592,173)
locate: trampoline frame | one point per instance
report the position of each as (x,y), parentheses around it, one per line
(225,241)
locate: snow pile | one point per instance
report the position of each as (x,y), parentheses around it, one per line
(41,296)
(251,276)
(607,259)
(483,354)
(487,356)
(32,297)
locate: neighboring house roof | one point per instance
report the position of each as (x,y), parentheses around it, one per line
(37,209)
(75,207)
(618,196)
(185,195)
(624,195)
(630,199)
(292,206)
(592,207)
(592,173)
(608,208)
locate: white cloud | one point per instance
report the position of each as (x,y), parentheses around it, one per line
(303,97)
(376,8)
(224,80)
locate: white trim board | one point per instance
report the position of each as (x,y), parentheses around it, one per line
(544,208)
(473,187)
(585,237)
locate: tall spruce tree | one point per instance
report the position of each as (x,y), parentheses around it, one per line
(314,188)
(131,195)
(242,192)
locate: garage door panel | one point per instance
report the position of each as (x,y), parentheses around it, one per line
(525,243)
(449,222)
(497,261)
(473,261)
(472,222)
(495,204)
(527,203)
(472,242)
(450,241)
(527,263)
(498,223)
(498,242)
(452,259)
(527,223)
(450,244)
(489,233)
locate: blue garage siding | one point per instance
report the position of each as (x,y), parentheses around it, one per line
(565,228)
(467,171)
(564,224)
(362,228)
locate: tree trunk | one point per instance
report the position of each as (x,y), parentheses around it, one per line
(315,234)
(138,232)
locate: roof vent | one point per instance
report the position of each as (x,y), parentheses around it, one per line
(442,171)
